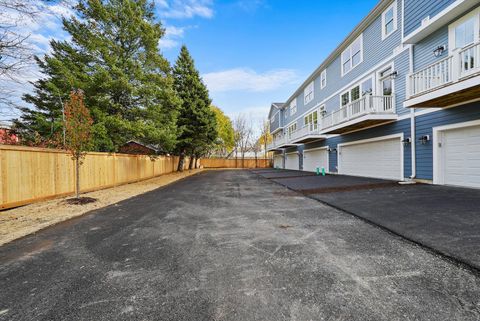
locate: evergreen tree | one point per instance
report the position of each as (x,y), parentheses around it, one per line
(196,121)
(113,58)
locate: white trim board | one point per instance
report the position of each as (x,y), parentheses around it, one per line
(437,175)
(314,149)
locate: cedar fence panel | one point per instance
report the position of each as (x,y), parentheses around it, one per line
(31,174)
(235,163)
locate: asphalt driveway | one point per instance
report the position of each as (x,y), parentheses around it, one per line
(228,245)
(443,218)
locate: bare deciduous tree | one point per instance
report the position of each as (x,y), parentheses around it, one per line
(243,135)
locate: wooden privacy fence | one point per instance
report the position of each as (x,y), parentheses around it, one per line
(235,163)
(32,174)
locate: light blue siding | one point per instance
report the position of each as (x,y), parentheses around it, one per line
(402,67)
(374,51)
(424,126)
(402,126)
(417,10)
(423,51)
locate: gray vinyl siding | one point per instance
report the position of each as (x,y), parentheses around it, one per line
(374,51)
(424,126)
(423,51)
(402,126)
(417,10)
(276,123)
(402,67)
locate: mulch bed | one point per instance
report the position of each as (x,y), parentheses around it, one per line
(80,200)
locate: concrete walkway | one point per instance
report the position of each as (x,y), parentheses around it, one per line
(228,245)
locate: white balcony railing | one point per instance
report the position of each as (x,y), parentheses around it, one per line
(361,107)
(310,129)
(278,142)
(462,63)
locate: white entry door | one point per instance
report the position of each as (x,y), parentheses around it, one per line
(459,157)
(315,158)
(381,158)
(278,161)
(292,161)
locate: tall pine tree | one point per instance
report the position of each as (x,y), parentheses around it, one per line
(196,120)
(113,57)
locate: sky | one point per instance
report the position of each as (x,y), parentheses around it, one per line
(250,53)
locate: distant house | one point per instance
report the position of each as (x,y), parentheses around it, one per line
(7,136)
(137,148)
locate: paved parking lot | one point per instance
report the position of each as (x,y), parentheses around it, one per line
(444,219)
(228,245)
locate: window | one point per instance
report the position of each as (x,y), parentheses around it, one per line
(293,107)
(355,93)
(367,87)
(352,56)
(292,128)
(389,20)
(345,98)
(323,79)
(465,33)
(308,93)
(311,120)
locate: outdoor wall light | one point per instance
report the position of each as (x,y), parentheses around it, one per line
(424,139)
(323,113)
(394,75)
(331,150)
(439,51)
(407,141)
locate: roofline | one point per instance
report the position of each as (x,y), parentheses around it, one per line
(372,15)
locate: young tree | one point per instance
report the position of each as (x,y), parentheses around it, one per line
(196,120)
(265,136)
(225,141)
(113,56)
(77,129)
(243,135)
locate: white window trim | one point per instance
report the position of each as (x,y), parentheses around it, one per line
(349,48)
(293,107)
(323,75)
(378,86)
(309,92)
(395,23)
(451,28)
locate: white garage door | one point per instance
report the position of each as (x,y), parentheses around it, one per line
(379,159)
(291,161)
(460,157)
(278,161)
(315,158)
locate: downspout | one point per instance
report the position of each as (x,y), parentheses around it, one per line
(412,125)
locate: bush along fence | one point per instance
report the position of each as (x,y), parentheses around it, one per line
(30,174)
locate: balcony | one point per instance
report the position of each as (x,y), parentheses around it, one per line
(280,143)
(307,134)
(365,112)
(452,80)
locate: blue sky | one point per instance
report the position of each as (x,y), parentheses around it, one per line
(249,52)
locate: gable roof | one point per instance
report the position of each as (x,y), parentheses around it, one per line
(274,108)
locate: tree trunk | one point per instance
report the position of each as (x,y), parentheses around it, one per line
(77,173)
(192,159)
(181,161)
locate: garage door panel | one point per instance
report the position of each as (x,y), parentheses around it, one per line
(278,161)
(460,157)
(315,158)
(380,159)
(292,161)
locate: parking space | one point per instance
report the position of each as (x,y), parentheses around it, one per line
(279,174)
(442,218)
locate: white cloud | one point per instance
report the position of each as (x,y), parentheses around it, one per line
(184,9)
(242,79)
(172,37)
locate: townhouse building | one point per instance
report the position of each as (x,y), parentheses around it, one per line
(399,99)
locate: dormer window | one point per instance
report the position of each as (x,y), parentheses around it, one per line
(352,56)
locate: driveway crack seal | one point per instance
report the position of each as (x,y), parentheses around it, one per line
(447,257)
